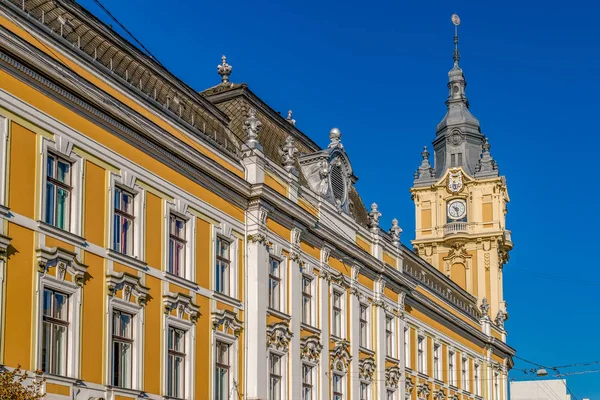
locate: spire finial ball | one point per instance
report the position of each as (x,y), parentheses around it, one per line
(335,133)
(455,19)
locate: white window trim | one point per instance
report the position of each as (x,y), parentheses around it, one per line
(452,378)
(368,339)
(180,209)
(225,232)
(308,272)
(477,378)
(190,351)
(127,181)
(314,376)
(369,389)
(283,362)
(233,361)
(336,288)
(466,382)
(3,159)
(407,346)
(342,375)
(138,339)
(73,333)
(437,369)
(394,325)
(276,253)
(64,149)
(422,337)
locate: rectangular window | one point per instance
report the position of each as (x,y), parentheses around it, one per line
(337,314)
(476,380)
(407,347)
(307,382)
(338,387)
(496,386)
(466,384)
(123,221)
(58,191)
(274,283)
(222,273)
(421,354)
(363,333)
(437,365)
(306,300)
(177,243)
(389,336)
(122,349)
(451,368)
(364,391)
(274,377)
(459,156)
(54,332)
(176,363)
(390,395)
(222,372)
(453,160)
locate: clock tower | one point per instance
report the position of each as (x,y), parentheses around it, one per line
(460,202)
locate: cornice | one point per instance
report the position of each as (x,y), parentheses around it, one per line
(153,140)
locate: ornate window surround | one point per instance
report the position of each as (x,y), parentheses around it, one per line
(127,180)
(183,306)
(68,278)
(225,232)
(4,244)
(180,208)
(128,285)
(308,271)
(226,328)
(333,287)
(62,147)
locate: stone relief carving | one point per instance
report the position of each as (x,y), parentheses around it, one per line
(228,322)
(339,356)
(279,336)
(310,348)
(392,377)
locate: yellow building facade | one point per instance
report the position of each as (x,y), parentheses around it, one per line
(161,243)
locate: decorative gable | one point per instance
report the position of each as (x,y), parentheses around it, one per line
(61,264)
(329,172)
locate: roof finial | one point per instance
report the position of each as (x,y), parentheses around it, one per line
(224,70)
(290,119)
(456,22)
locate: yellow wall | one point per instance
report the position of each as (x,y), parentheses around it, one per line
(203,253)
(92,319)
(22,190)
(203,349)
(154,232)
(153,330)
(20,268)
(95,203)
(459,275)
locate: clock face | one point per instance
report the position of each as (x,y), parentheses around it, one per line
(457,209)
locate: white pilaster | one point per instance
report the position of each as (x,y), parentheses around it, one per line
(379,340)
(353,329)
(400,353)
(324,378)
(256,311)
(295,287)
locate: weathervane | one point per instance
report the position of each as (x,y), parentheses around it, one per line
(456,22)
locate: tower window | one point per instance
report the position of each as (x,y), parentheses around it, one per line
(456,160)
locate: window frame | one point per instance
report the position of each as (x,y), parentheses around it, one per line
(338,394)
(177,353)
(437,362)
(464,366)
(367,393)
(407,347)
(232,342)
(190,338)
(341,332)
(62,148)
(73,337)
(364,324)
(390,336)
(310,385)
(276,293)
(422,353)
(127,182)
(4,160)
(53,321)
(227,286)
(477,379)
(52,179)
(180,212)
(311,296)
(279,377)
(452,368)
(137,311)
(220,366)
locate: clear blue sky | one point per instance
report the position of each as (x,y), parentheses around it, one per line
(378,71)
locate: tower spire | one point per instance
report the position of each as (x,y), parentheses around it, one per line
(456,22)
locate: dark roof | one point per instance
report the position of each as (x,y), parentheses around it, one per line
(236,99)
